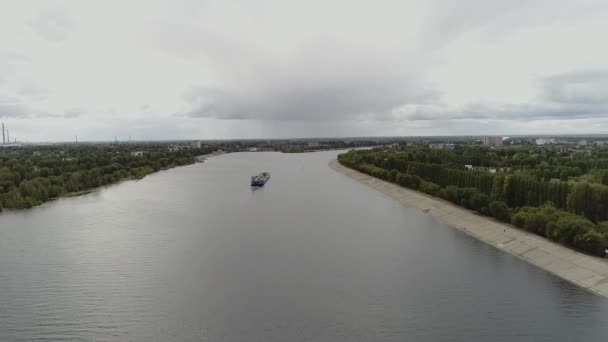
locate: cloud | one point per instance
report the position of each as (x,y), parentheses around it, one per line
(568,96)
(53,24)
(17,108)
(584,87)
(233,69)
(33,92)
(499,111)
(323,79)
(10,62)
(336,77)
(12,108)
(291,101)
(74,112)
(448,20)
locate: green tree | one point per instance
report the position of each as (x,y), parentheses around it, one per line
(500,211)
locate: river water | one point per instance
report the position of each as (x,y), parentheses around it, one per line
(195,254)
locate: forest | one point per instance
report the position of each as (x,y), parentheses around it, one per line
(561,195)
(32,175)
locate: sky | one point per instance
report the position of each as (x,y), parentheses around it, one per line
(198,69)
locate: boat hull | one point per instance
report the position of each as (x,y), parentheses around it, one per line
(260,179)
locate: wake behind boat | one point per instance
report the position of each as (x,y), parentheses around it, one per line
(260,179)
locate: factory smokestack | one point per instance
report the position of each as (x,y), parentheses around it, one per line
(3,138)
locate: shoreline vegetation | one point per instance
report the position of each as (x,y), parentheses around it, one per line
(32,176)
(563,199)
(586,271)
(79,193)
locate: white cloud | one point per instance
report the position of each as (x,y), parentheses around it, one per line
(53,24)
(217,69)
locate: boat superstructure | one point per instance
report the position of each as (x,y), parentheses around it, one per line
(261,179)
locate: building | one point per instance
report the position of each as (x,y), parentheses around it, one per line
(450,146)
(492,141)
(137,154)
(582,143)
(436,146)
(544,141)
(195,144)
(175,148)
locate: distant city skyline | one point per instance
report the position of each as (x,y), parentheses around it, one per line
(161,70)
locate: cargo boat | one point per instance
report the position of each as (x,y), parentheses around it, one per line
(260,179)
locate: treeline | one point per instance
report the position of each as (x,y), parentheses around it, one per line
(33,175)
(541,163)
(571,213)
(304,146)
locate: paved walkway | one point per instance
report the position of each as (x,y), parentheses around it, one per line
(586,271)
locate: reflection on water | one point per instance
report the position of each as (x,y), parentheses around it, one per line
(195,254)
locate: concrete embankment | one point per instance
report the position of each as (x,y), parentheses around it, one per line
(583,270)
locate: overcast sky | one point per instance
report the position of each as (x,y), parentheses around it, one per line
(195,69)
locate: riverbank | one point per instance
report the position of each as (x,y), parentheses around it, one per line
(583,270)
(197,159)
(97,188)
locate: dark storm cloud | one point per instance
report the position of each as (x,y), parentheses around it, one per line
(574,95)
(334,80)
(325,81)
(304,102)
(314,68)
(267,74)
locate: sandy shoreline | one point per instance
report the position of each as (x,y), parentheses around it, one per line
(583,270)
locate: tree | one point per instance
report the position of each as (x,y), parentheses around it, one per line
(537,189)
(568,227)
(429,188)
(28,178)
(592,241)
(500,211)
(478,201)
(451,193)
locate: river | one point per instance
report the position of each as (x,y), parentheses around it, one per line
(194,254)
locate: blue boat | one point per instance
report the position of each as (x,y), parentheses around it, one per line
(260,179)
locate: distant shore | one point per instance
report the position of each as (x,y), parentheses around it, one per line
(198,159)
(583,270)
